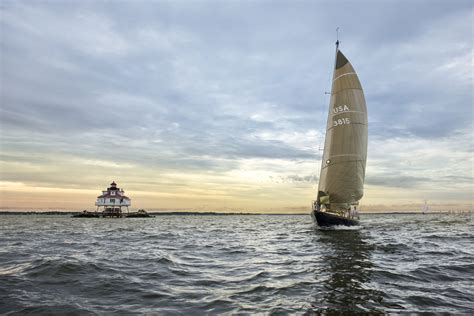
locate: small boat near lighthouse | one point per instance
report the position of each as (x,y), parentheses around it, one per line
(341,181)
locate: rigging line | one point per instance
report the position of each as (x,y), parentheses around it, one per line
(326,101)
(324,108)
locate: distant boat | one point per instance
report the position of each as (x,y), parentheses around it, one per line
(425,208)
(341,182)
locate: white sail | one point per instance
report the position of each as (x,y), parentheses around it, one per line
(425,208)
(341,182)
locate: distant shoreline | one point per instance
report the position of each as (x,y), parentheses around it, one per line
(219,213)
(151,213)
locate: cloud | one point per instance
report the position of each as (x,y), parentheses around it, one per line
(396,181)
(296,178)
(232,90)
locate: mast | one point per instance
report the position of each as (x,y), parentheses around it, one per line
(320,194)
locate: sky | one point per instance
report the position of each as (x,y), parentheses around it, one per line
(221,105)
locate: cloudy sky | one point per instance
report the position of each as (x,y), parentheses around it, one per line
(220,105)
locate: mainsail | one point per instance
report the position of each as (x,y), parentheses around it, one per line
(341,182)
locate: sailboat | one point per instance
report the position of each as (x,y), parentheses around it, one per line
(425,208)
(341,181)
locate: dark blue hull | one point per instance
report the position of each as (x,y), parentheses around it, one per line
(325,219)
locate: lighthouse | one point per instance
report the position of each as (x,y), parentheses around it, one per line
(112,200)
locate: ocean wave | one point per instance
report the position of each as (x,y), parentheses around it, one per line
(14,268)
(240,264)
(340,227)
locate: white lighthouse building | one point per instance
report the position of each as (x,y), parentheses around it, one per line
(112,200)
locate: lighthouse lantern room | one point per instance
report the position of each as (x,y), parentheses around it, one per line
(112,200)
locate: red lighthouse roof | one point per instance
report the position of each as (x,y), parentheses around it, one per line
(113,186)
(113,192)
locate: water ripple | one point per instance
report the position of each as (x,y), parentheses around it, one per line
(236,265)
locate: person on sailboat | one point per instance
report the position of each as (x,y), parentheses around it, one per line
(353,212)
(356,212)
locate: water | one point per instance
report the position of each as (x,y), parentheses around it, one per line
(235,264)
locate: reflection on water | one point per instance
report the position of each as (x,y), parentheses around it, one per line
(212,265)
(345,273)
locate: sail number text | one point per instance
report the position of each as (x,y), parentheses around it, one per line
(341,121)
(340,108)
